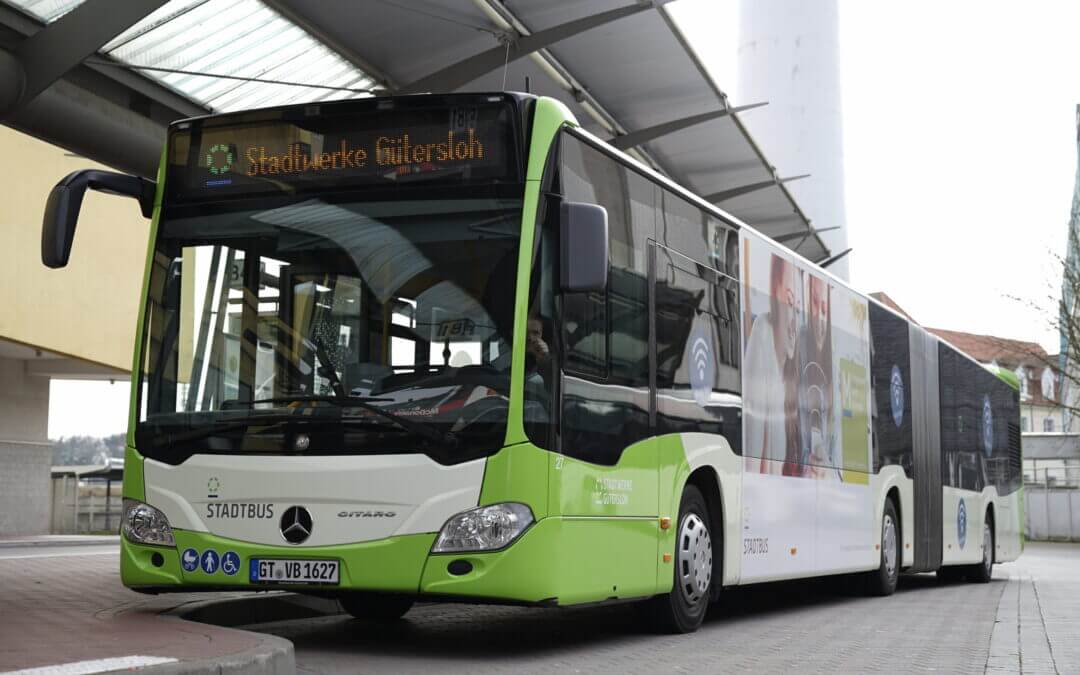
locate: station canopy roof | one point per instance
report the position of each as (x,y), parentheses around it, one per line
(624,68)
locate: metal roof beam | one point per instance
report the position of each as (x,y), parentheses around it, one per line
(463,72)
(828,261)
(795,235)
(793,217)
(47,55)
(724,195)
(642,136)
(502,17)
(297,16)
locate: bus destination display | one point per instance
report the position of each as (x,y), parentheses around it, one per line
(382,147)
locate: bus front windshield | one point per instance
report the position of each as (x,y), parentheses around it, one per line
(330,324)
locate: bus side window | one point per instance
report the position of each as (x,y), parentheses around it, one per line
(606,336)
(697,375)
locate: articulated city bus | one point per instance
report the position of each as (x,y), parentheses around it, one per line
(456,348)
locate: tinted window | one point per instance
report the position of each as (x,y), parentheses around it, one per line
(697,357)
(978,420)
(890,376)
(606,335)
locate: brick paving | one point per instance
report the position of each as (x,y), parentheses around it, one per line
(1038,622)
(822,626)
(69,608)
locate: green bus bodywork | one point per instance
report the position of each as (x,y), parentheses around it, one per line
(559,560)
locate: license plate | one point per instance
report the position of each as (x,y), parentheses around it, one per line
(274,571)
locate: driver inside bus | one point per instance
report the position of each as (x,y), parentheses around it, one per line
(537,354)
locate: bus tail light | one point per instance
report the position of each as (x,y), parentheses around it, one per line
(485,528)
(143,524)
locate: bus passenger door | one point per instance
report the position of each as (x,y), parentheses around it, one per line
(604,480)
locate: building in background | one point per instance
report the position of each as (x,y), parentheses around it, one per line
(75,323)
(789,55)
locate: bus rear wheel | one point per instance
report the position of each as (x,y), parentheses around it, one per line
(683,609)
(375,606)
(882,581)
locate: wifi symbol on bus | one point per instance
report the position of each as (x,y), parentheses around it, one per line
(700,357)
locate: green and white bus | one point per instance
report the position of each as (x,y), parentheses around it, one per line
(454,347)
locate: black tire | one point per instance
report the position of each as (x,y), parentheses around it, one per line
(981,572)
(683,609)
(882,581)
(375,606)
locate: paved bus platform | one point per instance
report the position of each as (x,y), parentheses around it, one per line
(63,610)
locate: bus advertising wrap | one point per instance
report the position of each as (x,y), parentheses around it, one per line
(806,431)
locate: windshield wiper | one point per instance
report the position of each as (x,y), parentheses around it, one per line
(418,428)
(229,424)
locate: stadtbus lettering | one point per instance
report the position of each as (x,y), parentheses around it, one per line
(239,510)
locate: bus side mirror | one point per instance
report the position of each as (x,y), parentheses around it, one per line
(584,247)
(65,201)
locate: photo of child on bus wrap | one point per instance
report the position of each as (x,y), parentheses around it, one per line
(806,398)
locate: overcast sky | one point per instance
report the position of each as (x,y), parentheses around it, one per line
(959,154)
(959,150)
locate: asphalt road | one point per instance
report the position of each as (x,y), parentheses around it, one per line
(818,626)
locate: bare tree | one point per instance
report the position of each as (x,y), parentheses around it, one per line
(1061,307)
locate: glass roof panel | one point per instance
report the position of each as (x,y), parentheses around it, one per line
(226,54)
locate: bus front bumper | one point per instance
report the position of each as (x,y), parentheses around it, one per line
(535,569)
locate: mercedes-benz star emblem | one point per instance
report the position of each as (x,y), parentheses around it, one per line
(296,524)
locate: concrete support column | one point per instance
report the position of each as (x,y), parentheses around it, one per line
(789,56)
(25,451)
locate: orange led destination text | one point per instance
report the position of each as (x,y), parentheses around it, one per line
(388,151)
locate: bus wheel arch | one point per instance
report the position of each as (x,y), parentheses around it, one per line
(893,495)
(704,478)
(683,608)
(982,571)
(883,580)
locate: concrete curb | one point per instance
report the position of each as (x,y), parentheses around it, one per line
(82,541)
(272,654)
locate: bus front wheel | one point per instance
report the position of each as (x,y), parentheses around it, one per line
(683,609)
(375,606)
(882,581)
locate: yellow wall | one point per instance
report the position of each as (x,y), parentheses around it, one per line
(89,309)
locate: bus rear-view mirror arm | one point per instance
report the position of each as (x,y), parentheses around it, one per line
(584,247)
(65,201)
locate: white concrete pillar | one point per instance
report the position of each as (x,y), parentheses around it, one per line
(25,451)
(789,56)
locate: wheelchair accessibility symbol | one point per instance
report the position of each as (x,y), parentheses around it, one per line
(230,563)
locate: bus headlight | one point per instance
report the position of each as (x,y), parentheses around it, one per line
(143,524)
(485,528)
